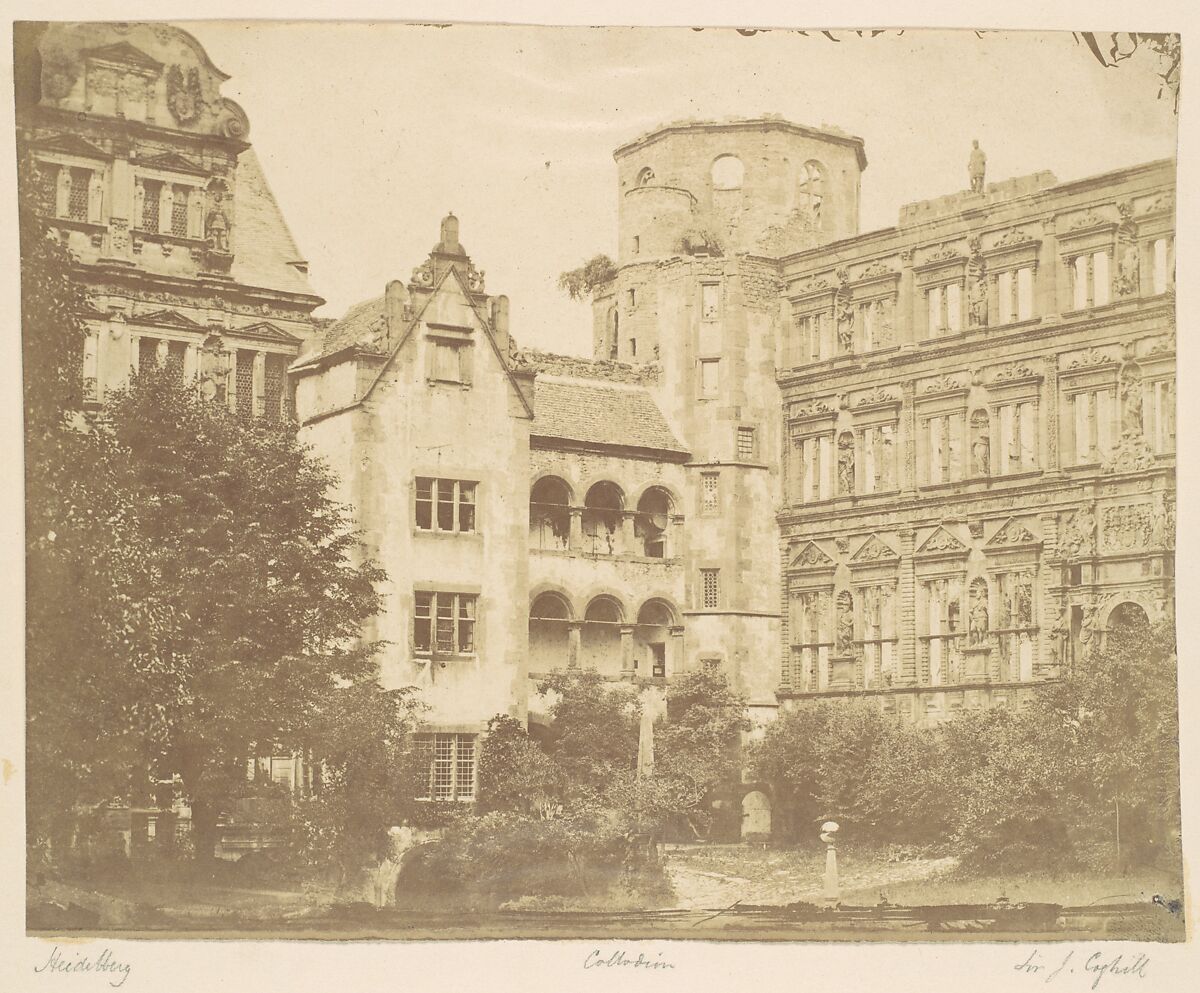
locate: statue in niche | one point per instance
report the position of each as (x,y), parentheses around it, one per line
(1079,535)
(978,619)
(1128,263)
(845,623)
(846,463)
(843,310)
(1131,399)
(977,291)
(977,166)
(217,230)
(981,444)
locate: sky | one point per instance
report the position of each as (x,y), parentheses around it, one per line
(370,133)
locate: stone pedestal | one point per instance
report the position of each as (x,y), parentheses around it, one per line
(841,672)
(975,663)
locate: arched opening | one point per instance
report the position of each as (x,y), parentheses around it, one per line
(651,636)
(727,173)
(653,521)
(756,816)
(550,514)
(550,618)
(1127,618)
(603,508)
(645,177)
(812,189)
(600,638)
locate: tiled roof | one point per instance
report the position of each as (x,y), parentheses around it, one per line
(263,246)
(600,413)
(361,325)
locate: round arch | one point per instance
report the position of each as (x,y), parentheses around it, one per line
(551,603)
(658,611)
(727,172)
(1126,615)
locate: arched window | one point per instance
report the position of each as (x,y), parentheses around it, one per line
(550,514)
(603,508)
(652,522)
(550,646)
(645,177)
(812,188)
(1127,617)
(727,173)
(651,637)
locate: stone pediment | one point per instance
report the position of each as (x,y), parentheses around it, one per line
(168,319)
(1013,533)
(69,144)
(872,551)
(942,542)
(811,557)
(264,331)
(172,161)
(123,53)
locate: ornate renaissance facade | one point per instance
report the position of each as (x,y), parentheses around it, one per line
(980,419)
(146,172)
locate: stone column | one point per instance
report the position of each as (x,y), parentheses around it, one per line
(908,467)
(190,362)
(677,661)
(906,302)
(135,350)
(260,377)
(906,620)
(627,670)
(575,535)
(1050,403)
(626,540)
(574,634)
(1049,575)
(1053,286)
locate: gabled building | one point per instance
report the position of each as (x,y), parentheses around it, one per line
(148,174)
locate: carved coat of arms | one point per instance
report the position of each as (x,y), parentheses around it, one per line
(183,94)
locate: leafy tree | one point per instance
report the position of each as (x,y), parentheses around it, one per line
(516,774)
(258,564)
(93,627)
(594,729)
(581,282)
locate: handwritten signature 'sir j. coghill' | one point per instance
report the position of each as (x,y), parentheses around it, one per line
(1096,966)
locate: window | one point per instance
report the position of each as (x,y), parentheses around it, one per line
(444,623)
(450,361)
(710,301)
(451,764)
(151,201)
(1018,438)
(274,374)
(244,382)
(810,337)
(1015,625)
(879,636)
(1090,280)
(179,211)
(709,378)
(637,244)
(944,460)
(77,200)
(943,628)
(808,624)
(879,458)
(633,348)
(1094,413)
(1160,415)
(710,587)
(709,492)
(445,505)
(727,173)
(658,659)
(812,189)
(645,177)
(1014,291)
(813,467)
(945,309)
(632,298)
(745,443)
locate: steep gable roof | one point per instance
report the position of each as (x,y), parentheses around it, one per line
(600,413)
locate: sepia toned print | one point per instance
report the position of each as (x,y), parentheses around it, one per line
(780,572)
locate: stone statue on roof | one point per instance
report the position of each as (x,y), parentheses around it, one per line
(976,166)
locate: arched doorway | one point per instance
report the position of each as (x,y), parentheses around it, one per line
(550,514)
(550,618)
(600,639)
(603,508)
(1127,617)
(653,523)
(756,816)
(652,639)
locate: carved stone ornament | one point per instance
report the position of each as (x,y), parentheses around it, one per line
(1013,372)
(943,384)
(1164,202)
(977,289)
(942,541)
(811,409)
(874,397)
(815,286)
(1013,236)
(1127,528)
(422,275)
(943,253)
(1092,357)
(1128,280)
(843,312)
(810,557)
(843,545)
(872,550)
(1077,536)
(1013,533)
(1089,219)
(876,269)
(845,623)
(184,98)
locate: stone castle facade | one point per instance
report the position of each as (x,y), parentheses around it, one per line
(924,466)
